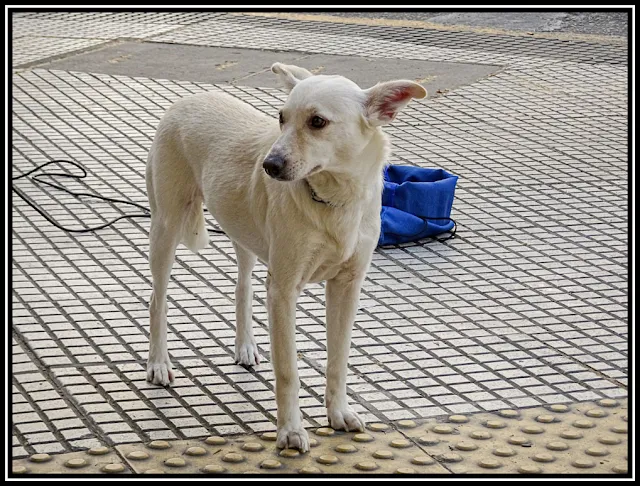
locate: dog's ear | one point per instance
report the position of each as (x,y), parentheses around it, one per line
(385,100)
(290,75)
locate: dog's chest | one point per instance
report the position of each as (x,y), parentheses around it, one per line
(336,251)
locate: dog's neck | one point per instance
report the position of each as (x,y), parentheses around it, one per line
(338,189)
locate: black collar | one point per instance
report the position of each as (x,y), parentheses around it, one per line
(317,198)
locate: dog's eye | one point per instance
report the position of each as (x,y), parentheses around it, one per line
(318,122)
(281,119)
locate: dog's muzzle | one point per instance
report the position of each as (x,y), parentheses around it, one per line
(274,165)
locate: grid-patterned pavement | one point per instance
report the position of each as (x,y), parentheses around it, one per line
(527,306)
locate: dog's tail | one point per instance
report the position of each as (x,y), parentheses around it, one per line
(194,233)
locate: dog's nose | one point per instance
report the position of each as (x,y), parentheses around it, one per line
(273,165)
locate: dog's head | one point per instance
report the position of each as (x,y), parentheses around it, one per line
(327,121)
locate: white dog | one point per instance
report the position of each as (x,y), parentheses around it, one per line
(302,195)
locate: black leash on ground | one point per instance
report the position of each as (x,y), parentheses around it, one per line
(38,179)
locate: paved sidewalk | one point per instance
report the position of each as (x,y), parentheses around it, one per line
(526,307)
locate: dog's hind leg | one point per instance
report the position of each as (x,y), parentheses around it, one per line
(163,241)
(246,349)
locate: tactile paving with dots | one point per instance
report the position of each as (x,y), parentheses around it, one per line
(558,439)
(97,460)
(583,438)
(380,450)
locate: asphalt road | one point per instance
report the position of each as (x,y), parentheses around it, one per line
(598,23)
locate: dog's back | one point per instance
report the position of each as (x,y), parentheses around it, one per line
(209,148)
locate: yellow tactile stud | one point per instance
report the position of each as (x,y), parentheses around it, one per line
(19,470)
(345,448)
(489,463)
(366,466)
(619,429)
(383,454)
(504,451)
(406,424)
(158,444)
(596,413)
(543,457)
(466,446)
(289,453)
(217,440)
(400,443)
(377,427)
(309,470)
(608,402)
(405,470)
(451,457)
(508,413)
(557,445)
(458,419)
(422,460)
(269,436)
(583,463)
(213,469)
(532,429)
(480,435)
(597,451)
(609,440)
(442,429)
(428,441)
(113,468)
(233,457)
(137,455)
(270,464)
(620,469)
(545,419)
(363,438)
(75,463)
(175,462)
(98,451)
(40,458)
(495,424)
(518,440)
(559,408)
(571,434)
(529,469)
(196,451)
(583,424)
(327,459)
(325,431)
(252,447)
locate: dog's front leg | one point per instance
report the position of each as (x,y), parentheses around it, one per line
(342,295)
(281,303)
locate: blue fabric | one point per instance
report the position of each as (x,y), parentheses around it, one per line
(412,200)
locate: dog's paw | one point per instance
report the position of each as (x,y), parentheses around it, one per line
(247,353)
(345,419)
(160,373)
(293,438)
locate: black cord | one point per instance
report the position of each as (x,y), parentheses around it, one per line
(37,180)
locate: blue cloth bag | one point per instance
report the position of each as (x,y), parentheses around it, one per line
(416,203)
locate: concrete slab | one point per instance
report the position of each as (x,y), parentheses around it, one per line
(251,67)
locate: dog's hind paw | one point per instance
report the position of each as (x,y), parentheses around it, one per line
(345,419)
(160,373)
(293,438)
(247,353)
